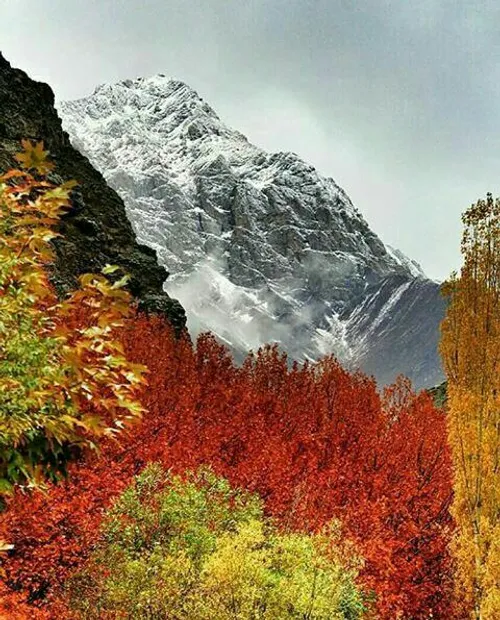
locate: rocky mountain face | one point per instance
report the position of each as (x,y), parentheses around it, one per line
(260,246)
(96,231)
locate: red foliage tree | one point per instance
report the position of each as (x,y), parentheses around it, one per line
(314,441)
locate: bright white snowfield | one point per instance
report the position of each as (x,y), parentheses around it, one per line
(260,247)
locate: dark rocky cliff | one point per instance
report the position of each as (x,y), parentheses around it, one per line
(97,230)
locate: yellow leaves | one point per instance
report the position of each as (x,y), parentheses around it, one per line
(87,279)
(39,240)
(61,382)
(5,546)
(34,157)
(132,406)
(470,347)
(109,269)
(58,196)
(93,424)
(136,374)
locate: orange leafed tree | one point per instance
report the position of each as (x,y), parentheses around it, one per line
(470,347)
(315,442)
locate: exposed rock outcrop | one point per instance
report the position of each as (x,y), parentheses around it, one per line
(97,230)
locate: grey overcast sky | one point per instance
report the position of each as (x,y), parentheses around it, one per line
(397,100)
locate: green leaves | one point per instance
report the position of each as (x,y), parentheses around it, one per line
(109,269)
(193,548)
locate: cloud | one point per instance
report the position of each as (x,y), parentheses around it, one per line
(244,319)
(398,101)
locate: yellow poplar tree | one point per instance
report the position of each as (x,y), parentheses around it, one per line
(470,348)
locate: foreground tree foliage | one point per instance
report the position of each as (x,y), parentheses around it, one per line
(47,371)
(192,548)
(471,353)
(314,442)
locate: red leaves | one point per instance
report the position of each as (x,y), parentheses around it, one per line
(315,442)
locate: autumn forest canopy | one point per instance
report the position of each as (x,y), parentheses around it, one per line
(144,475)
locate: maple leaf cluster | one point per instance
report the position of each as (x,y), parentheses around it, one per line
(47,370)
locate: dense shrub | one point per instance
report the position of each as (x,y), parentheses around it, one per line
(194,549)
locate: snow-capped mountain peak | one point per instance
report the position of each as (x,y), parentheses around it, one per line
(298,257)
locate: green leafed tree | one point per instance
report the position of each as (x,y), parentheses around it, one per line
(193,548)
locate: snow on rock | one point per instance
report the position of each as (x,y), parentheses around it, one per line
(260,246)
